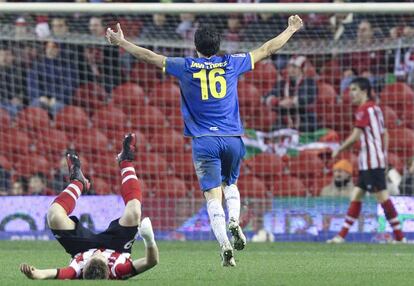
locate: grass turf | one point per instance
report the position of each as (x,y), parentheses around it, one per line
(198,263)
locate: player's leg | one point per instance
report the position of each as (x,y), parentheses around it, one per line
(206,159)
(130,188)
(383,198)
(351,216)
(58,213)
(231,161)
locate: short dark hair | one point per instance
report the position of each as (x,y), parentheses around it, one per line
(96,269)
(207,40)
(364,84)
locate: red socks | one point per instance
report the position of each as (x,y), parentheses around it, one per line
(67,199)
(351,216)
(131,188)
(392,217)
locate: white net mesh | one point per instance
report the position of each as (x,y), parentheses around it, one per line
(63,87)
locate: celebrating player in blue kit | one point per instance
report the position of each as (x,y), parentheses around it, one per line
(210,111)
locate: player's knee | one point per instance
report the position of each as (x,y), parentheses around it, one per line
(133,212)
(54,215)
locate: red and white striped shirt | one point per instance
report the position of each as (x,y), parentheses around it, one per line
(370,120)
(119,264)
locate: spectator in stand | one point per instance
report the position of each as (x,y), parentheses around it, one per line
(263,28)
(159,28)
(407,183)
(100,63)
(232,36)
(370,63)
(60,29)
(342,184)
(4,181)
(38,185)
(342,25)
(12,82)
(187,26)
(20,187)
(292,96)
(52,80)
(21,29)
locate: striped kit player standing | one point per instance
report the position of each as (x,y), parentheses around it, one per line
(370,130)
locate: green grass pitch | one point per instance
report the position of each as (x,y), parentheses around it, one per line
(198,263)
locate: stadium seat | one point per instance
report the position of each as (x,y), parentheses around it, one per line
(5,163)
(146,75)
(166,96)
(264,76)
(91,141)
(90,96)
(390,117)
(170,187)
(182,164)
(15,144)
(105,166)
(397,95)
(265,165)
(289,187)
(252,187)
(316,184)
(326,94)
(151,165)
(5,119)
(395,161)
(28,165)
(167,141)
(101,187)
(128,94)
(111,120)
(306,164)
(249,95)
(331,73)
(148,119)
(408,116)
(34,120)
(401,142)
(53,142)
(72,119)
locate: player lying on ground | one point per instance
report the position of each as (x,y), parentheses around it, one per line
(211,117)
(105,255)
(370,130)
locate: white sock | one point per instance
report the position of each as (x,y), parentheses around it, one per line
(232,196)
(217,221)
(146,232)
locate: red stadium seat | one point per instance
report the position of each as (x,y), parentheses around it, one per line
(101,187)
(15,144)
(151,165)
(289,187)
(111,120)
(126,95)
(148,119)
(401,142)
(261,118)
(91,141)
(34,120)
(306,164)
(182,164)
(166,95)
(5,119)
(248,94)
(146,75)
(252,187)
(170,187)
(397,95)
(390,117)
(105,166)
(264,76)
(90,96)
(32,164)
(53,142)
(331,73)
(167,141)
(265,165)
(396,162)
(72,120)
(316,184)
(4,163)
(326,94)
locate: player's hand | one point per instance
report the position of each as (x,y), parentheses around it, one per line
(295,22)
(30,271)
(115,38)
(145,229)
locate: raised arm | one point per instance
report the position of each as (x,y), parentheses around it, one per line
(145,55)
(37,274)
(149,261)
(273,45)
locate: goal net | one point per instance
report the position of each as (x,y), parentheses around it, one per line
(63,87)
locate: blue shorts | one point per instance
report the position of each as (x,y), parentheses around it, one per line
(217,160)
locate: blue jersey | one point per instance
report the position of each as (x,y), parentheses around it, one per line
(209,102)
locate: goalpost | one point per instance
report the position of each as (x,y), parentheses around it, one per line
(62,86)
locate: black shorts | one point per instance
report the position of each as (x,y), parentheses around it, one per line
(115,237)
(372,180)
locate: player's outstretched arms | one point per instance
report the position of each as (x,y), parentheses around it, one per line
(273,45)
(117,38)
(37,274)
